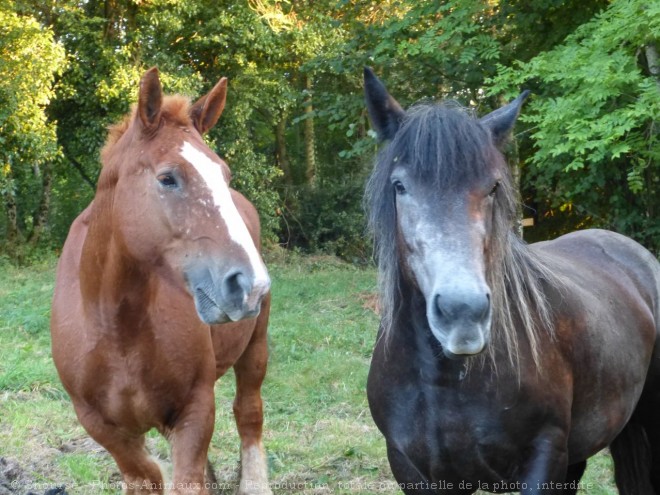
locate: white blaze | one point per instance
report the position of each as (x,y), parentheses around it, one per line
(212,175)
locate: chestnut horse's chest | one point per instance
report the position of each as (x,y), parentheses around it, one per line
(229,343)
(144,378)
(139,366)
(230,340)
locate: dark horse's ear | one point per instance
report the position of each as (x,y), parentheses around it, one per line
(150,99)
(207,110)
(501,121)
(384,111)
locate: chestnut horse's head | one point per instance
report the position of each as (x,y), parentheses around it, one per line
(172,210)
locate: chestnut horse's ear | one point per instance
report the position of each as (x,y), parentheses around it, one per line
(384,111)
(500,122)
(150,99)
(207,110)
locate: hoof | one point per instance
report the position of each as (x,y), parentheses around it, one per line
(253,488)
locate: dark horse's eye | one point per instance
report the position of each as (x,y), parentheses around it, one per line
(399,188)
(494,189)
(167,180)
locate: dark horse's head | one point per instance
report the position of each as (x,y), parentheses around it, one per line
(441,202)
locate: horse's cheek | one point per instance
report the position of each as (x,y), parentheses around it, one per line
(142,239)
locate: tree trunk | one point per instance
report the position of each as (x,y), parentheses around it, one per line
(281,153)
(109,12)
(12,216)
(310,143)
(514,163)
(652,61)
(41,215)
(513,159)
(81,170)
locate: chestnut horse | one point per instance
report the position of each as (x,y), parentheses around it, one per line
(501,366)
(160,289)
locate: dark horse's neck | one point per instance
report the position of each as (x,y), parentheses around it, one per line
(411,332)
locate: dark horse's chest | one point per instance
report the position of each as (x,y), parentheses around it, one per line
(450,425)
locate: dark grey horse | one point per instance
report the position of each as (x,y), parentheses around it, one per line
(501,366)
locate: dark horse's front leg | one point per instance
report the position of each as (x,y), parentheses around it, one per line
(412,482)
(547,468)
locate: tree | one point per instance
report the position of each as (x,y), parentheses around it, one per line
(295,132)
(30,59)
(594,121)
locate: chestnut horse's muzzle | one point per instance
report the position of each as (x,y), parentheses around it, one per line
(223,296)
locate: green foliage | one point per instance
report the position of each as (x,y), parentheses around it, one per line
(591,146)
(329,219)
(446,44)
(594,119)
(107,58)
(30,59)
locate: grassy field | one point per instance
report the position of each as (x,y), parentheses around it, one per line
(319,434)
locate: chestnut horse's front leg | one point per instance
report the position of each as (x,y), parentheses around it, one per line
(250,371)
(190,438)
(141,474)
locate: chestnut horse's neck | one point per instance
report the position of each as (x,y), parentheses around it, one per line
(112,284)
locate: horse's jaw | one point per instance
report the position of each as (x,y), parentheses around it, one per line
(464,341)
(460,332)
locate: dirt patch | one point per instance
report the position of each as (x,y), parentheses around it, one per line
(370,301)
(37,473)
(10,475)
(14,481)
(84,445)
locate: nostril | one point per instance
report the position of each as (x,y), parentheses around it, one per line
(440,312)
(204,300)
(450,306)
(462,306)
(487,306)
(236,286)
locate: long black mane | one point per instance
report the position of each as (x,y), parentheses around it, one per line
(446,146)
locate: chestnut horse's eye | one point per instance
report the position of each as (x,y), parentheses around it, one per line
(399,188)
(167,180)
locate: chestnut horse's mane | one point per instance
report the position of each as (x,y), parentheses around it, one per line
(175,109)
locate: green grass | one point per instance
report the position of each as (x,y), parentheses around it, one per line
(319,434)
